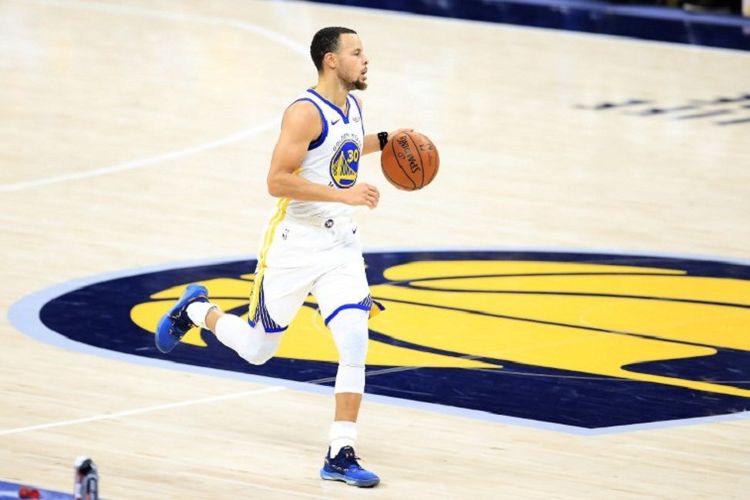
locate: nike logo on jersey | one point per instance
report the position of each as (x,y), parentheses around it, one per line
(334,122)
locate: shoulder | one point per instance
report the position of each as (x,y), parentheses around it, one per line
(302,117)
(302,109)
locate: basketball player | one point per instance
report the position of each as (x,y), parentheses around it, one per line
(310,243)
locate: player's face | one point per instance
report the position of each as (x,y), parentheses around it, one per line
(352,62)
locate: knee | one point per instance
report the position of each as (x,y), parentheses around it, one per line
(255,357)
(259,353)
(350,333)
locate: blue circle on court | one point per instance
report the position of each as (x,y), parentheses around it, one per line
(586,341)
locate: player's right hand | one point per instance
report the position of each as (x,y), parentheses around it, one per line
(362,194)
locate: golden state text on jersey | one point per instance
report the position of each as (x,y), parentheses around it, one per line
(345,161)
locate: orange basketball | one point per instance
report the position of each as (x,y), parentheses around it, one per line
(409,160)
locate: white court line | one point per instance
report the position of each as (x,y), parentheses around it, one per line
(168,15)
(179,153)
(190,402)
(143,162)
(139,411)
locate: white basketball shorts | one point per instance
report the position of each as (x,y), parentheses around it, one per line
(298,257)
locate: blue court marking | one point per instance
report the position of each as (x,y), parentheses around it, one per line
(24,315)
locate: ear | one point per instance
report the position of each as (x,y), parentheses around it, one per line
(329,60)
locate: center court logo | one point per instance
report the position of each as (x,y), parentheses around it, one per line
(579,341)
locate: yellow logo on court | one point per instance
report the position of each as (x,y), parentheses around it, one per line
(598,320)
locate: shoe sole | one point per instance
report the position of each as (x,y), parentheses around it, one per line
(360,483)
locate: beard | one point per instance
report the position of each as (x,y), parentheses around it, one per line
(360,85)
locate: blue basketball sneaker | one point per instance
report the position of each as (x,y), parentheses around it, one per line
(344,467)
(175,324)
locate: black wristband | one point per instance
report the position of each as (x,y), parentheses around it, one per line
(383,138)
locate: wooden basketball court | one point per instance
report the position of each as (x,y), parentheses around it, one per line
(137,134)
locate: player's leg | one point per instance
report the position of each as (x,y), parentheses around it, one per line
(343,297)
(350,334)
(256,340)
(280,287)
(251,342)
(277,296)
(194,309)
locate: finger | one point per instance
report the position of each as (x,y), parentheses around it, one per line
(365,200)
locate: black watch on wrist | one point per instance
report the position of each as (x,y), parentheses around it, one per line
(383,138)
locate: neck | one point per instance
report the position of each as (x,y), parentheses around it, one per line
(333,90)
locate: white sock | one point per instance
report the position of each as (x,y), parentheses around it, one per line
(197,312)
(342,434)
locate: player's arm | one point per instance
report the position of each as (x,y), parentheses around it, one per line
(300,126)
(372,142)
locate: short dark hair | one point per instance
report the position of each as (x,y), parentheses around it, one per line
(326,40)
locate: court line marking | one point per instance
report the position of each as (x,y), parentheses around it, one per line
(139,411)
(23,316)
(179,153)
(143,162)
(190,402)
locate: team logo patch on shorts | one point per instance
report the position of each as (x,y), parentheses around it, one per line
(578,342)
(345,164)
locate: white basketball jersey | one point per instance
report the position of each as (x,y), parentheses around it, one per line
(333,158)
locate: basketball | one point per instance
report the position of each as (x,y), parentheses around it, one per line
(409,160)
